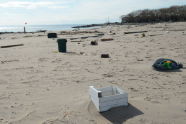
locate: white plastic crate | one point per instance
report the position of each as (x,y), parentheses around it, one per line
(108,97)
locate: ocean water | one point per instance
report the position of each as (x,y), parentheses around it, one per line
(33,28)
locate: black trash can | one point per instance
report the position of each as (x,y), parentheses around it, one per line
(52,35)
(62,45)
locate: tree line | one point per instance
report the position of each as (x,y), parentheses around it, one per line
(172,14)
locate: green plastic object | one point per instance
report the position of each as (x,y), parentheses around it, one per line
(167,65)
(62,45)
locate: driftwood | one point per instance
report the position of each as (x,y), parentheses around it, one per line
(84,37)
(76,41)
(107,39)
(76,32)
(154,35)
(95,36)
(73,38)
(6,61)
(11,45)
(135,32)
(100,34)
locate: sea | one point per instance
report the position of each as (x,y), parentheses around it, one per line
(34,28)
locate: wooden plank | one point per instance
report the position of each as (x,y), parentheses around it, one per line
(15,45)
(107,39)
(133,32)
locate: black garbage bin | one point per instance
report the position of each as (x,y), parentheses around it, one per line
(52,35)
(62,45)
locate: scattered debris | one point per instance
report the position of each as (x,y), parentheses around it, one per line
(139,59)
(177,30)
(42,31)
(73,38)
(11,45)
(143,35)
(105,56)
(95,36)
(84,37)
(40,35)
(76,32)
(94,43)
(113,34)
(163,64)
(52,35)
(76,41)
(82,53)
(135,32)
(100,34)
(108,97)
(155,35)
(28,36)
(107,39)
(6,61)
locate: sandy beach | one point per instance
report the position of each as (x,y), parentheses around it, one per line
(39,85)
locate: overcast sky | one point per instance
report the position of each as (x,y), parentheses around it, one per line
(17,12)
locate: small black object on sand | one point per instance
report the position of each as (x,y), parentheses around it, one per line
(94,43)
(105,56)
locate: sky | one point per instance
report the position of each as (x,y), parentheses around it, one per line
(36,12)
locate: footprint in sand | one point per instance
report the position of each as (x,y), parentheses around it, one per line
(94,113)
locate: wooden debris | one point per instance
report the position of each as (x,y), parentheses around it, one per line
(113,34)
(40,35)
(76,41)
(107,39)
(76,32)
(135,32)
(139,59)
(95,36)
(100,34)
(94,43)
(82,53)
(73,38)
(143,35)
(6,61)
(105,56)
(12,45)
(84,37)
(154,35)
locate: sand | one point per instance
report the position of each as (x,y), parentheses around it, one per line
(39,85)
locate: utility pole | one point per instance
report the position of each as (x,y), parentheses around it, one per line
(25,27)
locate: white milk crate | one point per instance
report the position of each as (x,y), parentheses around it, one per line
(108,97)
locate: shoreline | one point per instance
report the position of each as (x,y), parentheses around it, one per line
(89,26)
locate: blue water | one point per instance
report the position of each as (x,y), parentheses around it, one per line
(33,28)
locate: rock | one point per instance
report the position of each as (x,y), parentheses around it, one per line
(94,43)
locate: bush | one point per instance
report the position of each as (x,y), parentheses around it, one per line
(173,14)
